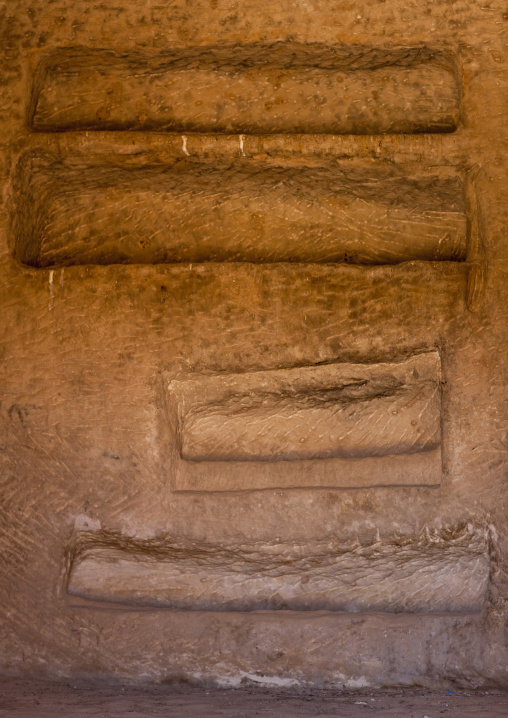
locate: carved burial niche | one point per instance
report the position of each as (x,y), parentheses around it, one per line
(338,425)
(284,87)
(74,212)
(442,572)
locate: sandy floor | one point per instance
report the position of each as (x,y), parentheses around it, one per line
(44,700)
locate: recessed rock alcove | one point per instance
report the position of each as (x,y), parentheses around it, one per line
(343,425)
(75,212)
(447,572)
(279,87)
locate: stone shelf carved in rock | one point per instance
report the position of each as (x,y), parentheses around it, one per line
(290,88)
(336,425)
(445,572)
(73,213)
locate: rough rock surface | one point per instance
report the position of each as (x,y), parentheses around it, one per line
(39,699)
(74,213)
(270,87)
(188,193)
(431,573)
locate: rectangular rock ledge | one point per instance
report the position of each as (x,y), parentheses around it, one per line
(424,574)
(249,88)
(241,211)
(337,425)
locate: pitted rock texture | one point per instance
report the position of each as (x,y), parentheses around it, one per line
(335,425)
(250,88)
(349,410)
(421,573)
(73,213)
(274,270)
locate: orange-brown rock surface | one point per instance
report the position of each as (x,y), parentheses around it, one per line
(253,409)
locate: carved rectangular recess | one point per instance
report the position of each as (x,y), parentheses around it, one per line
(71,213)
(423,573)
(298,88)
(336,425)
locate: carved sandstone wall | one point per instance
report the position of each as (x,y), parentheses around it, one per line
(253,409)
